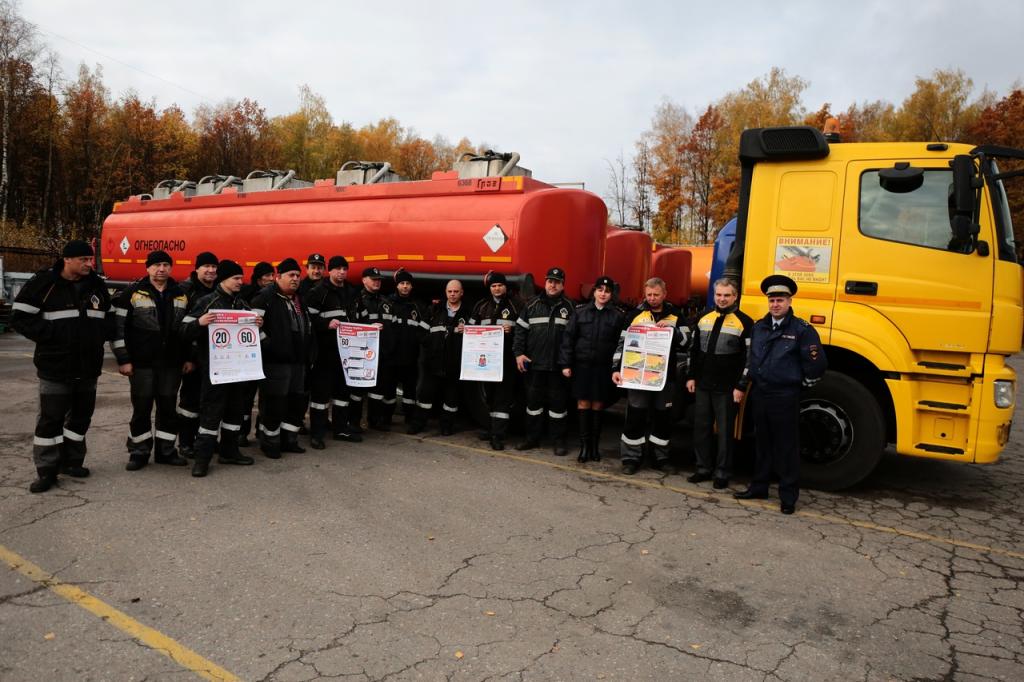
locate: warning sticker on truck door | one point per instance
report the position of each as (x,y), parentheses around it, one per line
(804,259)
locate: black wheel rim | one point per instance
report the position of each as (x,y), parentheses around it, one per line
(826,432)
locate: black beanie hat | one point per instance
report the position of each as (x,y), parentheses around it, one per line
(227,268)
(337,262)
(262,268)
(76,248)
(287,265)
(155,257)
(206,258)
(403,275)
(493,277)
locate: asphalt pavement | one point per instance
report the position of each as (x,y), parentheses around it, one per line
(434,558)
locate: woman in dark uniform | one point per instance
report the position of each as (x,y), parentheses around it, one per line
(586,357)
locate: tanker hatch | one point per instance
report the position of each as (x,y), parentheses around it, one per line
(215,184)
(264,181)
(490,164)
(168,187)
(366,173)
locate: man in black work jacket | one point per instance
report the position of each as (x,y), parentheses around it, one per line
(315,267)
(200,283)
(64,310)
(499,309)
(785,356)
(150,353)
(287,346)
(262,275)
(538,339)
(717,358)
(372,307)
(442,360)
(409,325)
(220,405)
(330,305)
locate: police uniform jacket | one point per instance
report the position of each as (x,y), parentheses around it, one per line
(591,336)
(785,358)
(146,323)
(442,346)
(196,335)
(718,353)
(307,285)
(409,327)
(373,308)
(287,336)
(326,302)
(539,330)
(645,316)
(503,312)
(68,322)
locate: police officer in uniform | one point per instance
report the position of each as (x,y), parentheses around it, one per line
(262,275)
(442,360)
(785,356)
(150,353)
(329,304)
(200,283)
(286,343)
(649,413)
(220,406)
(408,318)
(64,310)
(717,358)
(499,309)
(586,359)
(374,308)
(538,339)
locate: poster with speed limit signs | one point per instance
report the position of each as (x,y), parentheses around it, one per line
(358,346)
(234,347)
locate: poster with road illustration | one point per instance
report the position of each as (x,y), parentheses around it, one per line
(804,259)
(645,357)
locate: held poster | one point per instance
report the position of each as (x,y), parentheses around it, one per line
(645,357)
(359,347)
(482,347)
(234,347)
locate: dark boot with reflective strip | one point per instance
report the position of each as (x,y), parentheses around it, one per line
(499,427)
(342,429)
(229,452)
(631,445)
(203,453)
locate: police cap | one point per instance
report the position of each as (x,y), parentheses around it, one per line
(605,281)
(372,272)
(778,285)
(556,273)
(315,258)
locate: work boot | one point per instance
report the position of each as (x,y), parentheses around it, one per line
(75,471)
(559,448)
(415,426)
(186,451)
(47,479)
(350,436)
(290,442)
(229,453)
(166,454)
(200,467)
(630,466)
(528,444)
(317,443)
(497,443)
(243,441)
(136,462)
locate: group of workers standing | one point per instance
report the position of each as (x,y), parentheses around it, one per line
(157,329)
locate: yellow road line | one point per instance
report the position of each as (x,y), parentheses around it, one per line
(144,634)
(728,499)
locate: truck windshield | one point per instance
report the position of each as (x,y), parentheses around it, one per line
(919,217)
(1004,219)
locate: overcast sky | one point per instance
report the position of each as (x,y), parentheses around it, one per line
(566,84)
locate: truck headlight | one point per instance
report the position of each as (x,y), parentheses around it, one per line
(1003,393)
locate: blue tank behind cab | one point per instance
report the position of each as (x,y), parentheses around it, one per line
(723,245)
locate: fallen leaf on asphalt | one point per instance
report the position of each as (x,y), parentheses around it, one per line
(430,537)
(489,613)
(645,552)
(49,635)
(695,646)
(459,654)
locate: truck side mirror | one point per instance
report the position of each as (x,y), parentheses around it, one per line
(963,202)
(902,178)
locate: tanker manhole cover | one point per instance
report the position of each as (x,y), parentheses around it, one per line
(495,238)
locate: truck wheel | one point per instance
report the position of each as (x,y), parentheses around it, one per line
(842,433)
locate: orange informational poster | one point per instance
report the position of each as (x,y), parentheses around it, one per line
(804,259)
(358,345)
(645,357)
(234,347)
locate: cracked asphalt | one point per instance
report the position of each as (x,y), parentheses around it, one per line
(429,558)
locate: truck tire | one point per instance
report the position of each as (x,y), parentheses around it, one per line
(842,433)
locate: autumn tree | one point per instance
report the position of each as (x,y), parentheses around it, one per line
(1002,123)
(234,138)
(19,47)
(704,158)
(85,147)
(618,190)
(669,130)
(641,205)
(938,109)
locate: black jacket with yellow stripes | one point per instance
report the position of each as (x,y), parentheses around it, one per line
(68,322)
(719,351)
(146,324)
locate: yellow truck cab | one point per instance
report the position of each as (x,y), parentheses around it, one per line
(906,265)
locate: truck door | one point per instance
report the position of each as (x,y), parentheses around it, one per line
(897,258)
